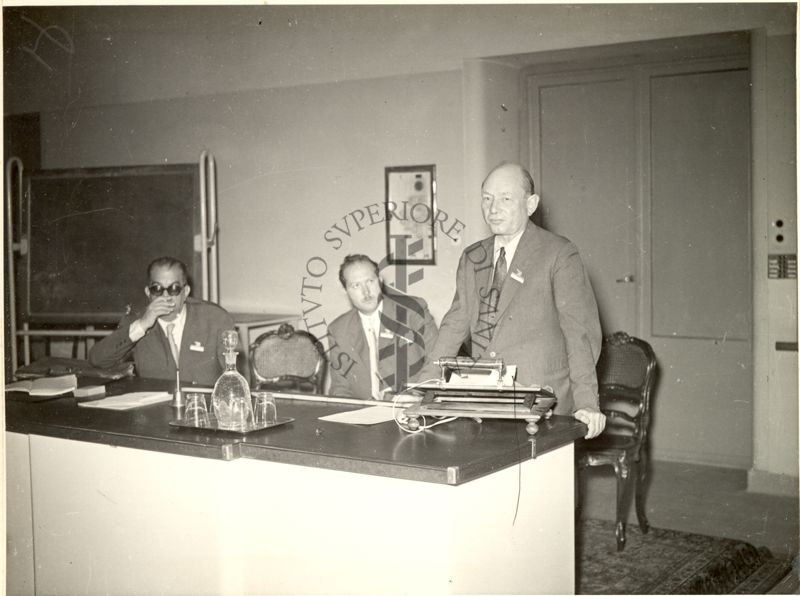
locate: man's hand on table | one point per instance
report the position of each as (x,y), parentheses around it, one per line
(593,418)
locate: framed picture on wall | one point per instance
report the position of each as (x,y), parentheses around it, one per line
(411,215)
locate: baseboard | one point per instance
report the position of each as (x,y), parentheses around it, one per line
(721,460)
(759,481)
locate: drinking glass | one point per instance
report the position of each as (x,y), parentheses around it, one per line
(196,411)
(264,410)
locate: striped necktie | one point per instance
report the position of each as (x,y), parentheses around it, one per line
(500,273)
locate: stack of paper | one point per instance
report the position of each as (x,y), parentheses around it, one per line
(51,366)
(46,385)
(128,401)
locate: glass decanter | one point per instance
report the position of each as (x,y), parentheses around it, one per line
(230,399)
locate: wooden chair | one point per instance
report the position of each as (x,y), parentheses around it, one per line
(287,360)
(626,375)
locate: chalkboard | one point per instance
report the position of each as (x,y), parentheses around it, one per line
(92,232)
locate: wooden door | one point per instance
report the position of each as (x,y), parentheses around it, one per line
(583,150)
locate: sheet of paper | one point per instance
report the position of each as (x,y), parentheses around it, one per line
(474,378)
(371,415)
(128,401)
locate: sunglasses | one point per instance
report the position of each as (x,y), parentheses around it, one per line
(156,289)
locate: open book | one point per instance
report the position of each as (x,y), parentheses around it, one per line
(46,385)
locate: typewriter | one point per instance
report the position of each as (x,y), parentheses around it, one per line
(480,389)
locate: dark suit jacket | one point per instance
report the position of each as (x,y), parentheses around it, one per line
(201,352)
(407,333)
(546,321)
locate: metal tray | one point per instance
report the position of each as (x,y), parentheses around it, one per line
(213,425)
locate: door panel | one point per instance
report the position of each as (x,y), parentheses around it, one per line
(585,168)
(699,126)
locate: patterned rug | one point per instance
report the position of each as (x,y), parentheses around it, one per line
(671,562)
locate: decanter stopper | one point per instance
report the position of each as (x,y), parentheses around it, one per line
(230,339)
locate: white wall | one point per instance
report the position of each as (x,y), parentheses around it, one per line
(494,127)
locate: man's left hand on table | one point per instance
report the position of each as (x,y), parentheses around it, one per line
(593,418)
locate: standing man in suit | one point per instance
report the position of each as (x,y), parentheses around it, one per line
(174,331)
(379,345)
(523,295)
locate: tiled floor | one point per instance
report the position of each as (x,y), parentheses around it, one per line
(704,500)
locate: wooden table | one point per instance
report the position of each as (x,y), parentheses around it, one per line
(122,502)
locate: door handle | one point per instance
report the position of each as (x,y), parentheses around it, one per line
(628,279)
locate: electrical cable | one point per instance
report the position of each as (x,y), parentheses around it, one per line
(519,464)
(399,418)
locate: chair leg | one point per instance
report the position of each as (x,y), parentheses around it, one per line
(623,474)
(641,477)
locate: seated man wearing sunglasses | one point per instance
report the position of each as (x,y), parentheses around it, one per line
(174,331)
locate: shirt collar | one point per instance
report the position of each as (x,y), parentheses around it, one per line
(509,245)
(372,320)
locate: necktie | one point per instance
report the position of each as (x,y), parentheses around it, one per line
(375,384)
(500,272)
(173,348)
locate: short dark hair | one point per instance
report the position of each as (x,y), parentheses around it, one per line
(168,263)
(525,175)
(354,260)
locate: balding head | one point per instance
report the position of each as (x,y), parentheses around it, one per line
(507,200)
(522,175)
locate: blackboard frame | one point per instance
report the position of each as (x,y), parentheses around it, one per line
(92,231)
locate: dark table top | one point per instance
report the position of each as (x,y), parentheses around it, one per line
(451,453)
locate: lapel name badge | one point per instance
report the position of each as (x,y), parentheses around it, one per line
(197,347)
(517,276)
(387,334)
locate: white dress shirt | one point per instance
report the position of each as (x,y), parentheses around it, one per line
(372,329)
(509,245)
(179,323)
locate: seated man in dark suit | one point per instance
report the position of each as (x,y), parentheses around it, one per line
(174,331)
(380,344)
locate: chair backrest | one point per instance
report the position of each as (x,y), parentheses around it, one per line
(626,373)
(287,354)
